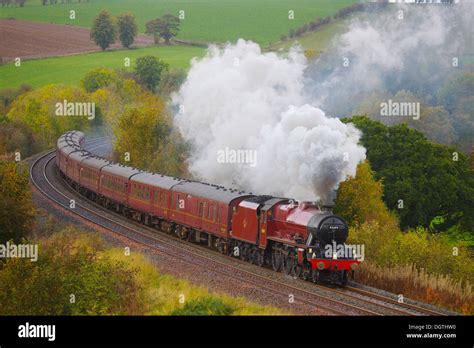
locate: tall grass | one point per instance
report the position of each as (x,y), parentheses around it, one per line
(415,283)
(416,264)
(164,294)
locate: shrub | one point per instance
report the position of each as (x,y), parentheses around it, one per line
(72,276)
(205,306)
(149,70)
(98,78)
(16,208)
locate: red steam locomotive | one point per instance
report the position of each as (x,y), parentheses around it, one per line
(297,239)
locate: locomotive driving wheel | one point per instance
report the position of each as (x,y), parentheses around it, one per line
(257,258)
(306,273)
(343,278)
(289,264)
(276,260)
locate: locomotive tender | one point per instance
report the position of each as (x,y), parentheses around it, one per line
(264,230)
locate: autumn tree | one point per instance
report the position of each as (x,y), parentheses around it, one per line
(127,29)
(17,136)
(359,199)
(103,30)
(140,130)
(37,109)
(16,208)
(145,131)
(8,95)
(149,70)
(98,78)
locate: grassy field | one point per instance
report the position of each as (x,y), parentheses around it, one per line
(263,21)
(316,40)
(70,69)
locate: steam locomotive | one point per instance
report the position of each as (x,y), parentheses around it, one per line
(288,236)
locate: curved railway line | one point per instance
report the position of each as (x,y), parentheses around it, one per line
(326,300)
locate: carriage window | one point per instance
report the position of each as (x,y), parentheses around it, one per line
(209,212)
(215,213)
(177,203)
(201,209)
(218,209)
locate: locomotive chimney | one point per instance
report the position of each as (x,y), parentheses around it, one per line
(327,203)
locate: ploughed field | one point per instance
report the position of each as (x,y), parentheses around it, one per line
(26,39)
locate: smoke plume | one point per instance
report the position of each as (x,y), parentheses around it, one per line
(239,98)
(410,47)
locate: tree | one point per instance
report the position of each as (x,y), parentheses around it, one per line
(151,28)
(359,199)
(145,130)
(17,136)
(127,28)
(16,208)
(103,30)
(422,180)
(141,129)
(166,27)
(149,70)
(37,109)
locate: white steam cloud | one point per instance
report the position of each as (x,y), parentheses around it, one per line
(239,98)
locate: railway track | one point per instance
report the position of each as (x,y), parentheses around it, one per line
(350,301)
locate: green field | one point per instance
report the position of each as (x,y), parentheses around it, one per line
(70,69)
(317,40)
(263,21)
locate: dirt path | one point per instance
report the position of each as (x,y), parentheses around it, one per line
(26,39)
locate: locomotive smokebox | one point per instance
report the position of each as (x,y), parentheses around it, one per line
(327,228)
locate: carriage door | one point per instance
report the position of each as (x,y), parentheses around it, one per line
(263,230)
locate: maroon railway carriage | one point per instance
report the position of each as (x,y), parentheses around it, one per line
(90,172)
(66,144)
(150,195)
(115,187)
(73,165)
(204,207)
(287,235)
